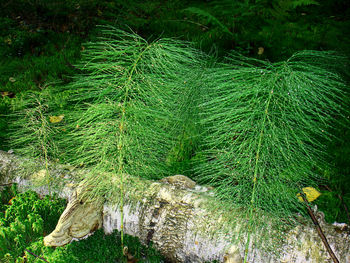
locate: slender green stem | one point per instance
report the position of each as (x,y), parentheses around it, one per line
(44,146)
(255,177)
(121,145)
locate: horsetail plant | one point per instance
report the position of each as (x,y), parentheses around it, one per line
(266,130)
(128,119)
(255,131)
(34,131)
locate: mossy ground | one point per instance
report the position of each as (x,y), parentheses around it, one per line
(26,218)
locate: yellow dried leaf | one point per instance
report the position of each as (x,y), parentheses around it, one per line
(261,50)
(11,200)
(5,93)
(56,119)
(310,193)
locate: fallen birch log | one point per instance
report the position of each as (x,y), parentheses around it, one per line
(175,214)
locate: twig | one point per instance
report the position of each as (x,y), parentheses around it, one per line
(319,230)
(6,4)
(36,255)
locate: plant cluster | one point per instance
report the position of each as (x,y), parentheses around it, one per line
(47,63)
(167,123)
(6,194)
(40,40)
(256,131)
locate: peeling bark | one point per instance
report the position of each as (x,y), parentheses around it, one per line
(186,224)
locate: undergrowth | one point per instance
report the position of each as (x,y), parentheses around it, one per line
(26,218)
(48,64)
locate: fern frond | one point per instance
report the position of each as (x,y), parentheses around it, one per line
(208,17)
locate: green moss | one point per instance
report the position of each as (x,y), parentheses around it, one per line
(25,219)
(97,248)
(28,218)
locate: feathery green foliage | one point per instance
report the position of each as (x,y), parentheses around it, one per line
(267,126)
(128,117)
(130,104)
(266,130)
(32,134)
(255,131)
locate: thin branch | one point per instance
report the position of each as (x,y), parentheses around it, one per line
(319,230)
(189,21)
(61,50)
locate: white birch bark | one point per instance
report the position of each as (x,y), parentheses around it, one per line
(185,224)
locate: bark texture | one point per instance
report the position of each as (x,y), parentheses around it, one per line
(183,220)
